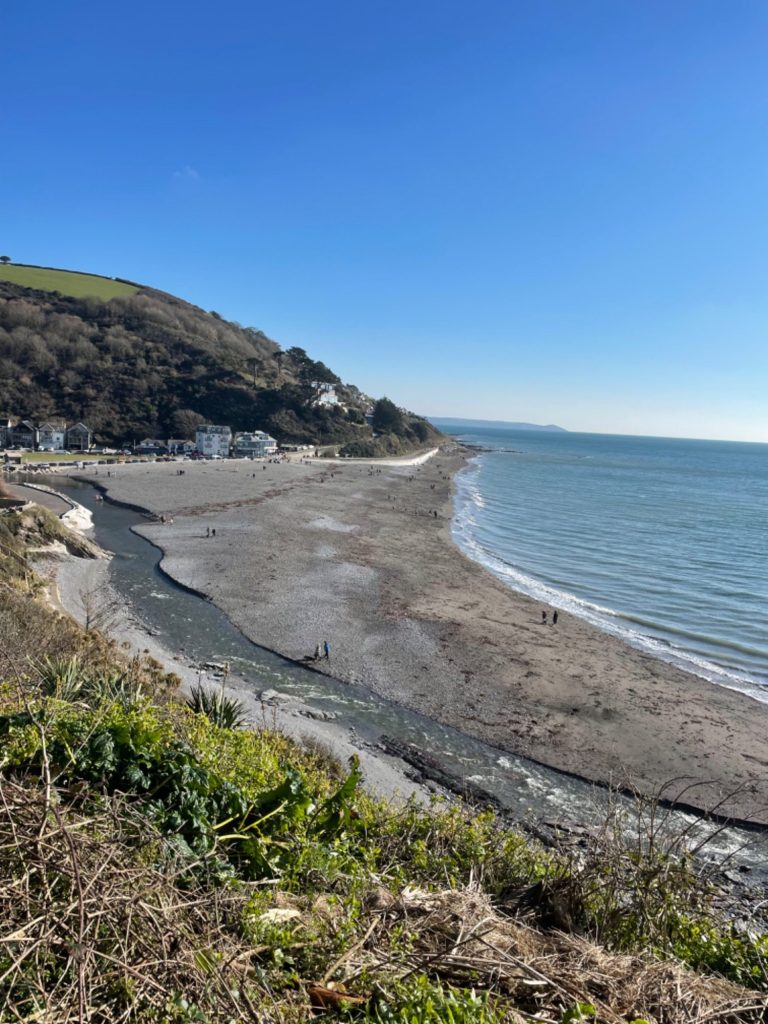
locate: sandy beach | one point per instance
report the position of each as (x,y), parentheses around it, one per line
(361,555)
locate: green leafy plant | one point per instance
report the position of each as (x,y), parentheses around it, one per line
(581,1012)
(421,1001)
(134,750)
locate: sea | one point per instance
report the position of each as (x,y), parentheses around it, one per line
(660,541)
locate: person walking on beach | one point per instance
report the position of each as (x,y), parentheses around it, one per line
(318,652)
(554,617)
(543,618)
(207,531)
(327,648)
(213,532)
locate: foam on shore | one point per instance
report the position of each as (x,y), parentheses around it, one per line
(469,498)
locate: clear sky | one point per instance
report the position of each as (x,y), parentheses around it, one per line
(553,211)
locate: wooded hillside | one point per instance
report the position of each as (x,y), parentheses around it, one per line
(150,364)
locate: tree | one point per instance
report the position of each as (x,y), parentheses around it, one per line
(5,259)
(387,418)
(420,429)
(184,422)
(310,371)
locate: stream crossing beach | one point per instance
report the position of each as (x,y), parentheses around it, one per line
(362,556)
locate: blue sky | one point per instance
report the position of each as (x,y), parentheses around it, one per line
(546,211)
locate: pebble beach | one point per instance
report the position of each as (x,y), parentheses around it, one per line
(361,555)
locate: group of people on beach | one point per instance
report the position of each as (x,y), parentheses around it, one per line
(544,617)
(322,650)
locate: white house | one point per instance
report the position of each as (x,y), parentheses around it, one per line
(180,446)
(255,445)
(325,394)
(212,440)
(52,436)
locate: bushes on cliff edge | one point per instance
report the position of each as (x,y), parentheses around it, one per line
(156,867)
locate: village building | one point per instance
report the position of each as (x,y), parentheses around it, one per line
(212,440)
(151,446)
(52,436)
(5,429)
(325,395)
(79,438)
(180,446)
(255,444)
(23,435)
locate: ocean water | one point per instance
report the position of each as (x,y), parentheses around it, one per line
(663,542)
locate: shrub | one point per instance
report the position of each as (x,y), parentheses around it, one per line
(226,712)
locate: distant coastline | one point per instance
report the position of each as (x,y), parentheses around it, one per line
(440,421)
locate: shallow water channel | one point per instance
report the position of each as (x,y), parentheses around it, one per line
(197,630)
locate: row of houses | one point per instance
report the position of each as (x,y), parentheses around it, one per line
(51,436)
(210,440)
(213,441)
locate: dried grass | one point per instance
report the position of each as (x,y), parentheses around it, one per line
(93,931)
(461,939)
(98,926)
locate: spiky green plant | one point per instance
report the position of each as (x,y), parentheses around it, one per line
(226,712)
(115,687)
(62,678)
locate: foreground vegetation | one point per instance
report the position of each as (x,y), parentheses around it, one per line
(161,864)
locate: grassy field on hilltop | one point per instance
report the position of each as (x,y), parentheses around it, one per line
(65,282)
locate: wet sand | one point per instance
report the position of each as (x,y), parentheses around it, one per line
(355,555)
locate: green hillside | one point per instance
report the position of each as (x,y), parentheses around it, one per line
(66,282)
(134,362)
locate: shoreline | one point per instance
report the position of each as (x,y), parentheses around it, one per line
(630,734)
(570,603)
(393,770)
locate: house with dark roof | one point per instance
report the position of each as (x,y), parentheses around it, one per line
(255,444)
(151,446)
(5,427)
(79,438)
(23,434)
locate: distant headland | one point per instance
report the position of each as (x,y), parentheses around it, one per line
(440,421)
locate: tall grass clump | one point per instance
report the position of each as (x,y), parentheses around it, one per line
(226,712)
